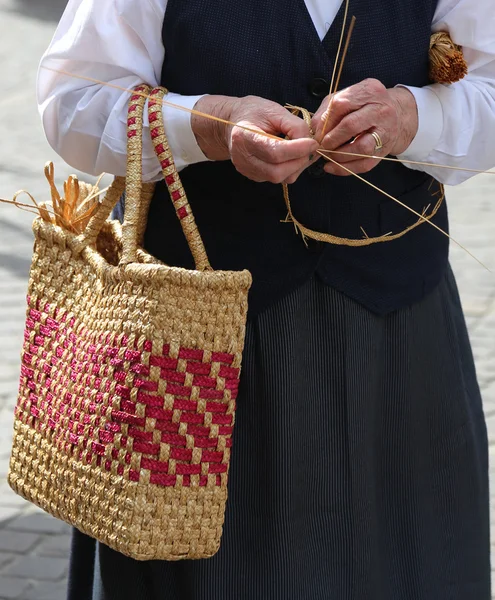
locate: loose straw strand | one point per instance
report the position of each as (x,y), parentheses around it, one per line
(337,83)
(335,65)
(409,162)
(164,102)
(25,207)
(344,55)
(420,216)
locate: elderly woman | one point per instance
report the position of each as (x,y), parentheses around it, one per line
(360,467)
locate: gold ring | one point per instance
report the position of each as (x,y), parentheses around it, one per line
(378,140)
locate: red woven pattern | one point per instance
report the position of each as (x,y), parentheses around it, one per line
(163,415)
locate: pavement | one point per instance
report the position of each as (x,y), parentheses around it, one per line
(33,546)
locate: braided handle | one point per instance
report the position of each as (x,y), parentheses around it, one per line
(173,182)
(138,195)
(96,222)
(134,217)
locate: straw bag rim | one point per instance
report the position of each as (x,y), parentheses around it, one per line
(141,272)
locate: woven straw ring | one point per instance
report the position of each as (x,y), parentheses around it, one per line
(336,240)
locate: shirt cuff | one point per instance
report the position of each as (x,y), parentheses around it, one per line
(430,124)
(178,130)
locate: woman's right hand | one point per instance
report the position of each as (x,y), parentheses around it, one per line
(256,156)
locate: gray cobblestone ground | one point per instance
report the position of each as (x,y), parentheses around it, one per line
(34,547)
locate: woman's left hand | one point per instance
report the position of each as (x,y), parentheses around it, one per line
(358,111)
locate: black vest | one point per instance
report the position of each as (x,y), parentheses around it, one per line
(271,49)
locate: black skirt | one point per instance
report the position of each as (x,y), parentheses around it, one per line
(359,465)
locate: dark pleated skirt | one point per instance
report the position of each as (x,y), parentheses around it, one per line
(359,466)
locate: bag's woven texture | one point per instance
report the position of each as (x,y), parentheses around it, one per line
(130,370)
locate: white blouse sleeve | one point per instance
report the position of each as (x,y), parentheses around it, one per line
(457,122)
(85,123)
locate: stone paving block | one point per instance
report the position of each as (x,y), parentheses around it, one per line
(15,312)
(55,545)
(8,385)
(9,402)
(11,345)
(9,498)
(5,445)
(11,295)
(47,591)
(5,453)
(8,514)
(43,568)
(7,327)
(489,393)
(5,559)
(490,423)
(482,352)
(485,370)
(12,588)
(39,522)
(11,288)
(18,542)
(6,431)
(9,376)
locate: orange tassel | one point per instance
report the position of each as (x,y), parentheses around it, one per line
(447,62)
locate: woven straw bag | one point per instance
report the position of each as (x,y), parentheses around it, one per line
(129,376)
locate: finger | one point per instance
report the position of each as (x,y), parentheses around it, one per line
(335,109)
(293,178)
(260,171)
(273,151)
(288,171)
(317,117)
(279,120)
(346,102)
(294,127)
(352,126)
(364,165)
(364,144)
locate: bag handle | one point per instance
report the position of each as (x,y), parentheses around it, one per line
(96,222)
(121,184)
(134,217)
(138,195)
(172,179)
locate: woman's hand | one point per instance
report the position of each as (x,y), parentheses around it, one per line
(256,156)
(356,112)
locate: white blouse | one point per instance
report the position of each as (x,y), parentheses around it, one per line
(120,41)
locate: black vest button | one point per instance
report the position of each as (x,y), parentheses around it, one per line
(318,87)
(317,169)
